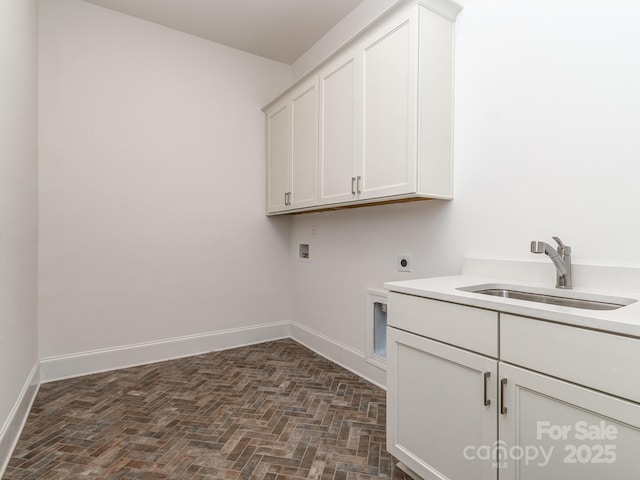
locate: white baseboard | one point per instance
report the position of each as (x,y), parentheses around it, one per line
(85,363)
(339,353)
(12,428)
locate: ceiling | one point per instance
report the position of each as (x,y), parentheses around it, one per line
(281,30)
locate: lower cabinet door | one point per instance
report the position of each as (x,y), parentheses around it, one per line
(441,408)
(555,430)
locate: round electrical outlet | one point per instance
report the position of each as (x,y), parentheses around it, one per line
(404,263)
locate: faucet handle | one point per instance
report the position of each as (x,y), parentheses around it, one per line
(562,248)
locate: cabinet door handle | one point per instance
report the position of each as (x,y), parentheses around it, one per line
(503,408)
(487,402)
(353,185)
(359,183)
(287,198)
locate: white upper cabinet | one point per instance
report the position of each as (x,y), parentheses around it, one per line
(339,129)
(383,118)
(304,146)
(278,156)
(292,149)
(389,110)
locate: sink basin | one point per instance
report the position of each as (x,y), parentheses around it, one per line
(551,297)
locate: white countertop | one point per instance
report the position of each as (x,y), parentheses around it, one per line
(623,321)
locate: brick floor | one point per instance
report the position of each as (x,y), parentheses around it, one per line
(272,411)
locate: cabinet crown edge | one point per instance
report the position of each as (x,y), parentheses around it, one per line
(445,8)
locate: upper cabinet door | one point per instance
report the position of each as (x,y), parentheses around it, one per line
(278,140)
(304,145)
(390,99)
(292,150)
(338,129)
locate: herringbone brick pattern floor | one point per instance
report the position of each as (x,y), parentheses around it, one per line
(273,411)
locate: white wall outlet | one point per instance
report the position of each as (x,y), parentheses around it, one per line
(404,263)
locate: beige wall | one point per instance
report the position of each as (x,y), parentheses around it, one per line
(152,184)
(18,204)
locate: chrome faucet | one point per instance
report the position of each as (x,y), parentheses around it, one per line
(561,258)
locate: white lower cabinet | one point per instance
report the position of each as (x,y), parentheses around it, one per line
(557,430)
(458,415)
(441,400)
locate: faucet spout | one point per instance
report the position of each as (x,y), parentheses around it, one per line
(561,258)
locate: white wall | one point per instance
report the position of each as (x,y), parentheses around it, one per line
(18,209)
(547,118)
(152,184)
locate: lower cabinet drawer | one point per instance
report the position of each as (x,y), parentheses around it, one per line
(470,328)
(574,354)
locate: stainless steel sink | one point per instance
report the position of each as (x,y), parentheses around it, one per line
(573,300)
